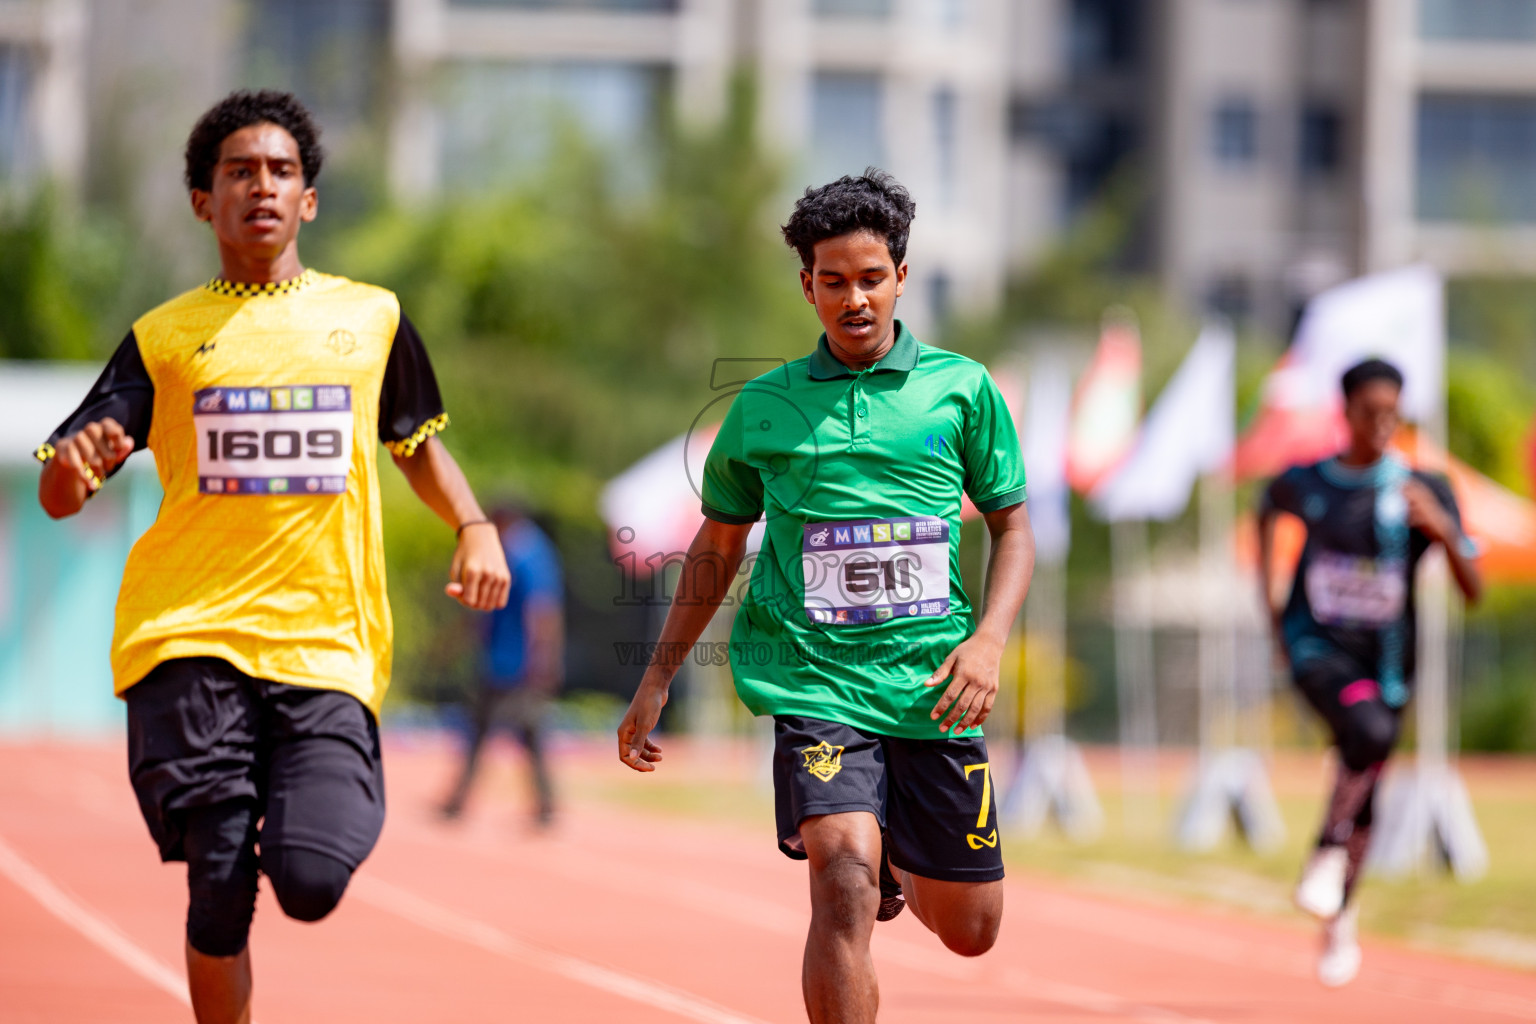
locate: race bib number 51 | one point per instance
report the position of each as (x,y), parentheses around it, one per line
(875,570)
(285,440)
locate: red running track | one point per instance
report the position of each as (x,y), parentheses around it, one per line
(621,915)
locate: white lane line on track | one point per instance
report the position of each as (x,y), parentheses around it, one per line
(1120,922)
(90,924)
(383,896)
(1127,923)
(445,921)
(740,908)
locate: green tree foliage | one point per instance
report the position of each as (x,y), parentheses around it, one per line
(65,281)
(574,323)
(1489,414)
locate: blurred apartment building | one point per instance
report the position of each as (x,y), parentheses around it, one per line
(1270,147)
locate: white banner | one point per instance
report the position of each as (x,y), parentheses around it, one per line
(1188,433)
(1398,316)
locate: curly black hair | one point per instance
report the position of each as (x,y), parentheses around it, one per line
(874,201)
(1361,374)
(241,110)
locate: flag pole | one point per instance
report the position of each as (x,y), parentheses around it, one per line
(1230,782)
(1050,776)
(1137,683)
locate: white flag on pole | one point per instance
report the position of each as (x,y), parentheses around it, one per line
(1047,419)
(1188,433)
(1398,315)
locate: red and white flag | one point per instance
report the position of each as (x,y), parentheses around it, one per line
(1106,408)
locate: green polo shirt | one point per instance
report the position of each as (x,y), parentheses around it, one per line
(860,475)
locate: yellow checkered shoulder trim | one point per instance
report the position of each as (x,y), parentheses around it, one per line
(248,289)
(44,452)
(406,447)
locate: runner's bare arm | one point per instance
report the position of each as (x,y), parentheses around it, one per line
(80,463)
(972,667)
(1267,519)
(713,560)
(478,576)
(1426,513)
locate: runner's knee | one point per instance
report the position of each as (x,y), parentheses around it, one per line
(1369,736)
(308,884)
(846,890)
(972,935)
(221,877)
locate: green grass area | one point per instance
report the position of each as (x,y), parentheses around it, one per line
(1492,918)
(1433,908)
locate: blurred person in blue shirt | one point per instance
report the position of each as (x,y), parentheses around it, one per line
(521,658)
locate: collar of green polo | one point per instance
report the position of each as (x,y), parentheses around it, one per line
(246,289)
(902,356)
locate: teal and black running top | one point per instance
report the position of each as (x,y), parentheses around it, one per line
(1354,588)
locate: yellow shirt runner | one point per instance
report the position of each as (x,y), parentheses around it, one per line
(261,405)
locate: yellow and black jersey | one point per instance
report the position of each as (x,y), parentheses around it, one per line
(261,404)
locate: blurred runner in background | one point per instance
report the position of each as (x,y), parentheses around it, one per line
(522,659)
(1348,631)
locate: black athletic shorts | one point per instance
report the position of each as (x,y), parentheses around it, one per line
(933,796)
(201,732)
(1341,689)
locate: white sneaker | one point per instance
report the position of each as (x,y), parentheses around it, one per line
(1321,889)
(1340,959)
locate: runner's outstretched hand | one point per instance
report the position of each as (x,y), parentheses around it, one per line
(972,669)
(1426,514)
(479,575)
(635,746)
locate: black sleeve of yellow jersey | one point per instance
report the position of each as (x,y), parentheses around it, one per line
(410,406)
(123,392)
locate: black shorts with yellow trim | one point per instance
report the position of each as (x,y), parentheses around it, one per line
(203,733)
(934,797)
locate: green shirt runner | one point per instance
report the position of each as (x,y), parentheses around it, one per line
(856,596)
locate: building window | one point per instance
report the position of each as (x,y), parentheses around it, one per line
(847,124)
(662,6)
(1235,133)
(1231,296)
(945,142)
(501,120)
(1477,157)
(1095,151)
(1320,141)
(328,52)
(852,8)
(1102,35)
(15,130)
(1494,21)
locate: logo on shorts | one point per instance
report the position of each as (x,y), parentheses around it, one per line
(976,842)
(823,760)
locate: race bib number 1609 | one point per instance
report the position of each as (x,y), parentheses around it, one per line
(284,440)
